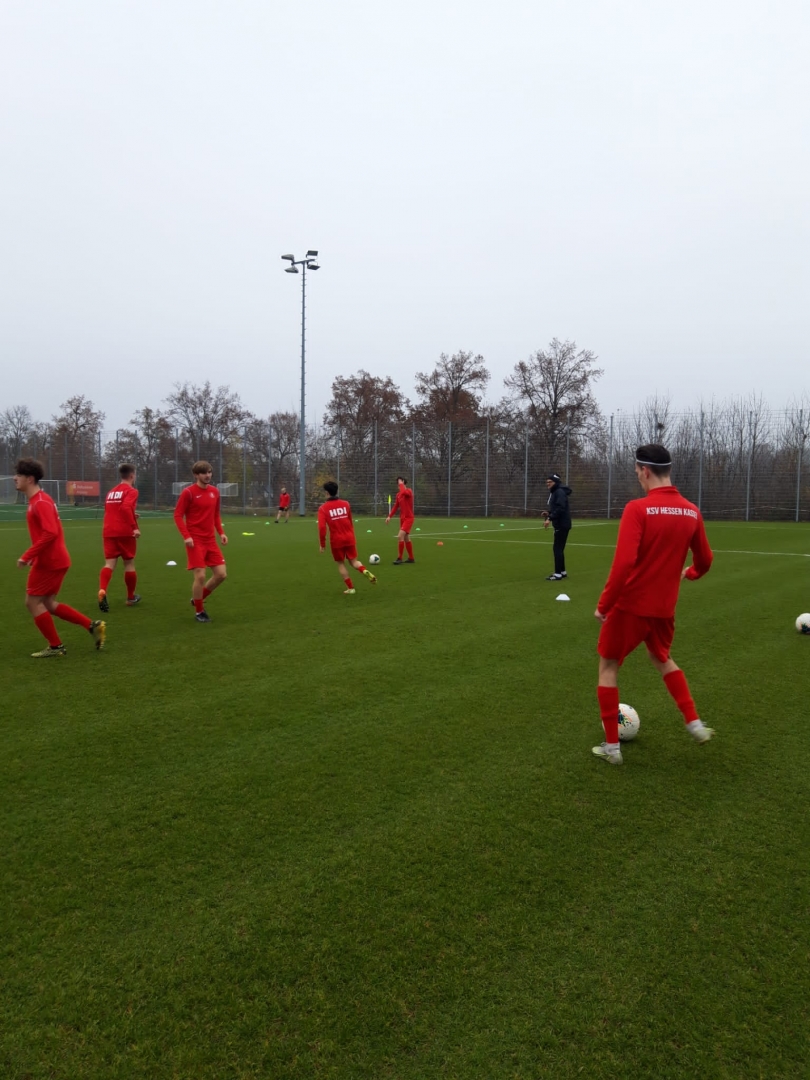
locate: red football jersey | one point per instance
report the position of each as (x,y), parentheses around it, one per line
(119,511)
(404,503)
(284,501)
(655,534)
(47,551)
(197,512)
(336,516)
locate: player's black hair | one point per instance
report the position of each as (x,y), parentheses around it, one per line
(656,457)
(404,480)
(126,469)
(331,488)
(29,466)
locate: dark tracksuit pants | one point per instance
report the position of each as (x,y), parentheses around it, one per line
(560,538)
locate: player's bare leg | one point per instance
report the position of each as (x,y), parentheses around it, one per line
(678,687)
(366,573)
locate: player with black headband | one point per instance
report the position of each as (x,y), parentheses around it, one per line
(638,602)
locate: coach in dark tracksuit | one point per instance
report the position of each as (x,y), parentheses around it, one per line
(558,516)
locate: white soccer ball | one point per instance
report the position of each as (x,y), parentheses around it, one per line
(803,623)
(629,723)
(374,559)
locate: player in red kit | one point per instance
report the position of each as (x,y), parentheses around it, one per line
(336,515)
(197,517)
(49,561)
(403,505)
(638,601)
(283,506)
(120,535)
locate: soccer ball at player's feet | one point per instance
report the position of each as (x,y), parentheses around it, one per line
(629,723)
(803,624)
(374,559)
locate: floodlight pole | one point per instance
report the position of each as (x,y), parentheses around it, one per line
(309,262)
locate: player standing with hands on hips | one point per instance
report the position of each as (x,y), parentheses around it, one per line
(558,515)
(404,505)
(283,506)
(197,516)
(49,561)
(638,601)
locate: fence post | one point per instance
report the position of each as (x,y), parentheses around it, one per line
(66,458)
(117,451)
(750,462)
(486,476)
(610,464)
(449,463)
(337,477)
(799,463)
(526,473)
(567,451)
(176,453)
(413,461)
(221,477)
(375,468)
(99,467)
(81,456)
(156,478)
(244,472)
(700,465)
(50,459)
(269,467)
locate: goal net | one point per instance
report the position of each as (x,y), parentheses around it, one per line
(9,496)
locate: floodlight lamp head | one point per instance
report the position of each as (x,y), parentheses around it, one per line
(312,254)
(291,270)
(290,258)
(312,265)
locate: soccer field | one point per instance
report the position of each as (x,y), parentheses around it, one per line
(364,837)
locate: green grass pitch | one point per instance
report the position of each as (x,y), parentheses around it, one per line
(364,837)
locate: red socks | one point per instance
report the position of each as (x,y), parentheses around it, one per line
(130,580)
(349,583)
(69,614)
(409,548)
(609,710)
(401,547)
(198,606)
(206,593)
(44,623)
(104,578)
(678,687)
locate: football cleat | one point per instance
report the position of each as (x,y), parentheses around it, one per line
(52,650)
(370,577)
(612,757)
(702,735)
(398,562)
(203,616)
(103,602)
(98,630)
(133,601)
(410,560)
(349,592)
(554,577)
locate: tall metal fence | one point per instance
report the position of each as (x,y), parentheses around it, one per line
(734,463)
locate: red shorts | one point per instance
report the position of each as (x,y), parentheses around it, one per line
(348,551)
(407,524)
(206,552)
(45,582)
(624,632)
(120,547)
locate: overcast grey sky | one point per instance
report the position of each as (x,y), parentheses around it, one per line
(475,175)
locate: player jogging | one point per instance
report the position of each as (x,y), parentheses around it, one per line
(49,561)
(638,601)
(197,517)
(120,536)
(336,515)
(403,504)
(283,506)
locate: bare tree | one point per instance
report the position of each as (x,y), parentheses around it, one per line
(79,419)
(16,424)
(455,388)
(205,415)
(555,387)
